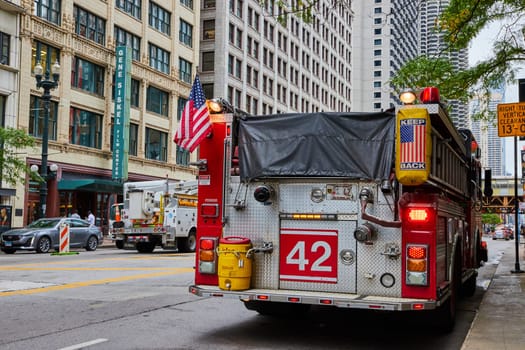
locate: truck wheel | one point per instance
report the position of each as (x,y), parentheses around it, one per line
(145,247)
(189,244)
(446,313)
(268,308)
(469,287)
(119,244)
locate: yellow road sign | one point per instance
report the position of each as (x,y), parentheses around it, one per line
(511,119)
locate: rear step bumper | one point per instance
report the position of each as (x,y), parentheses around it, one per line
(353,301)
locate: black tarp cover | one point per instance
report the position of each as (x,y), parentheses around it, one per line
(351,145)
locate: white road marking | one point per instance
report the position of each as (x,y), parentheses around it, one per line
(83,345)
(9,286)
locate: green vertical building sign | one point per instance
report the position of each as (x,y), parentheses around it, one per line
(121,116)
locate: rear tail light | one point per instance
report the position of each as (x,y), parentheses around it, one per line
(209,210)
(417,265)
(208,255)
(420,215)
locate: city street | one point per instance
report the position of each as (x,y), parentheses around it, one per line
(119,299)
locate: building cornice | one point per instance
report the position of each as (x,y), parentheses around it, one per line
(10,6)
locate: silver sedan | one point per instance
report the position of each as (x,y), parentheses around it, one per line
(42,235)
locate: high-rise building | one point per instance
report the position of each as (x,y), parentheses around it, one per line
(385,36)
(263,65)
(433,45)
(82,36)
(486,133)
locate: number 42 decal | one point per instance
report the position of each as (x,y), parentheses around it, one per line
(298,256)
(308,255)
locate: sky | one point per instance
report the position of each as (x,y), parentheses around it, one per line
(479,50)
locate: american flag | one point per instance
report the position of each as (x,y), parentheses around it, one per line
(195,123)
(413,140)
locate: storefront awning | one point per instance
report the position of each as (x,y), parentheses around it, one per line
(90,185)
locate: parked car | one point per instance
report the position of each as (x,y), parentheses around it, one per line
(501,233)
(42,235)
(510,231)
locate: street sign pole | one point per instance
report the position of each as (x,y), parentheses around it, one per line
(516,209)
(511,122)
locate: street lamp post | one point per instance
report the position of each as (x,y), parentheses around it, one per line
(44,82)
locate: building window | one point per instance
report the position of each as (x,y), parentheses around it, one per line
(135,93)
(377,105)
(231,63)
(377,73)
(181,103)
(238,68)
(159,18)
(133,137)
(238,38)
(156,145)
(159,59)
(125,38)
(208,90)
(207,4)
(48,10)
(182,157)
(377,41)
(85,128)
(37,115)
(133,7)
(157,101)
(87,76)
(89,25)
(377,84)
(377,31)
(377,95)
(238,11)
(47,55)
(186,33)
(231,33)
(184,70)
(208,29)
(208,61)
(187,3)
(5,40)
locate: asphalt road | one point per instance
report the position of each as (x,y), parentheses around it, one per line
(116,299)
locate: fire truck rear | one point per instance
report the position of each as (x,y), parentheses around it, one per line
(377,211)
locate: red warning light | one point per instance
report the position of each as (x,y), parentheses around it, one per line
(429,95)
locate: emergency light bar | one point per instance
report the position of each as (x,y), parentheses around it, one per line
(306,216)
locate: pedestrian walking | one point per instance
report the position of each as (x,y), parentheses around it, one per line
(91,218)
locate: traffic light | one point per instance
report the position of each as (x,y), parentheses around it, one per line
(487,191)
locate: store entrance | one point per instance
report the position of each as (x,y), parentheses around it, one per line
(84,202)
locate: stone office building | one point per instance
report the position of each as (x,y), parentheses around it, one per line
(82,35)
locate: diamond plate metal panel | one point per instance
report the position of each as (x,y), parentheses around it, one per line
(261,222)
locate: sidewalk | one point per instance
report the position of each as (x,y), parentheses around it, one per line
(500,320)
(107,243)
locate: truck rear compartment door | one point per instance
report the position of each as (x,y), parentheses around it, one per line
(317,256)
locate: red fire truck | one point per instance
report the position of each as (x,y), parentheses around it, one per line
(378,211)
